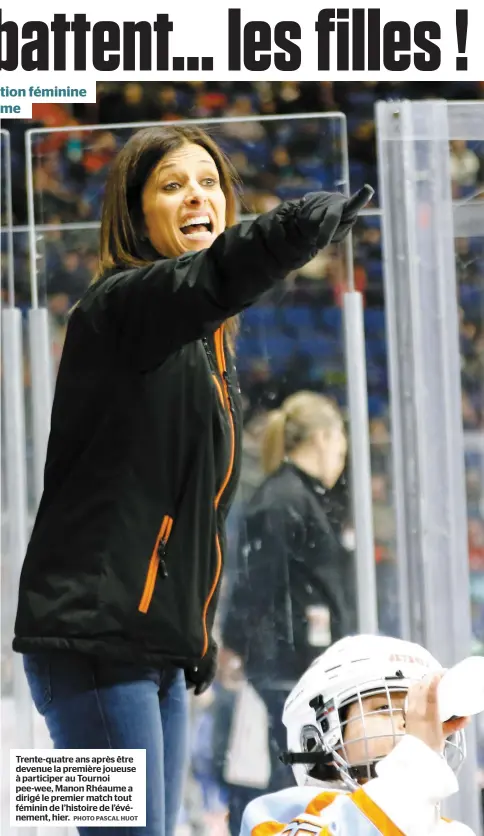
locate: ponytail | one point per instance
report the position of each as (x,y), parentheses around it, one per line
(273,442)
(293,424)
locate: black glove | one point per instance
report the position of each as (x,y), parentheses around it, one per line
(355,204)
(328,217)
(202,675)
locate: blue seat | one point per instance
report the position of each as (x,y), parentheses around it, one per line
(332,319)
(475,145)
(248,347)
(374,270)
(258,153)
(467,191)
(470,297)
(476,246)
(277,346)
(376,376)
(376,406)
(277,350)
(374,321)
(372,221)
(362,100)
(299,317)
(315,170)
(376,350)
(259,316)
(293,191)
(320,347)
(357,174)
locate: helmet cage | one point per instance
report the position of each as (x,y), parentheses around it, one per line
(325,741)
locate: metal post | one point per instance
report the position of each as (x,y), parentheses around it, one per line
(16,484)
(42,375)
(13,418)
(360,462)
(7,167)
(355,356)
(41,365)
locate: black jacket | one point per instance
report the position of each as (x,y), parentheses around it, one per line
(290,560)
(127,549)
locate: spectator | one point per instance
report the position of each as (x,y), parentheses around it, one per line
(298,97)
(281,164)
(100,152)
(250,131)
(119,586)
(72,278)
(294,593)
(125,103)
(53,195)
(464,164)
(362,143)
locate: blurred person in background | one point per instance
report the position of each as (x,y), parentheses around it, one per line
(53,197)
(128,102)
(245,131)
(120,583)
(71,277)
(99,153)
(465,166)
(91,261)
(294,592)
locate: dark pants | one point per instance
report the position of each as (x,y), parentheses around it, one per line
(93,704)
(281,776)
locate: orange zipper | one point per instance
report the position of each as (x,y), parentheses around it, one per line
(222,368)
(219,389)
(149,588)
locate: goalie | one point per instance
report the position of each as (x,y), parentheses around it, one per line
(369,752)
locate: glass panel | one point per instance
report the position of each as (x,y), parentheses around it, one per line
(6,580)
(15,705)
(467,159)
(276,158)
(292,340)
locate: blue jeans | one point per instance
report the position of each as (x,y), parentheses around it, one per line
(91,703)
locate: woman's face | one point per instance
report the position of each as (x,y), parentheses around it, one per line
(183,202)
(333,448)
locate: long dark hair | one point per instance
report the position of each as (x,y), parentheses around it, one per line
(123,243)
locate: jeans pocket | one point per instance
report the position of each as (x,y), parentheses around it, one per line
(37,671)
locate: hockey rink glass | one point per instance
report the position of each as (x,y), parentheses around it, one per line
(292,339)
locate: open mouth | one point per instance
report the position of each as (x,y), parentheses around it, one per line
(198,228)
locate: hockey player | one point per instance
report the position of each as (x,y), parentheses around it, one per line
(369,752)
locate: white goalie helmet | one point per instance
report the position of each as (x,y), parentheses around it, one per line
(349,671)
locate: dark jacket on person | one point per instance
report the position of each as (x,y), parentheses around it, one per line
(126,554)
(295,591)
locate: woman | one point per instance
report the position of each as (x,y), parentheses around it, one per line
(294,592)
(120,582)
